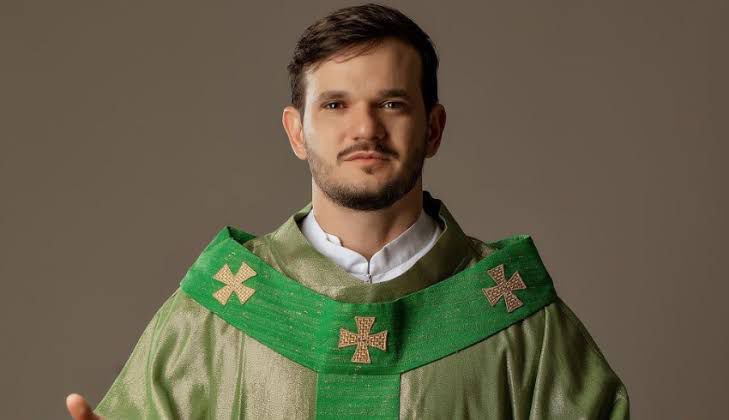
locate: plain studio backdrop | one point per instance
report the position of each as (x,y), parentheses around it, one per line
(133,131)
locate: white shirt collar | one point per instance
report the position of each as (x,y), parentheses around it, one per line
(396,257)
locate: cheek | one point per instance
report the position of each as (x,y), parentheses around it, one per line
(326,137)
(326,130)
(317,144)
(407,134)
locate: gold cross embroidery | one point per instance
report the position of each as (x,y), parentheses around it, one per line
(234,283)
(504,288)
(363,339)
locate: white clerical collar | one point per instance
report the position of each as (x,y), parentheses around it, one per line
(396,257)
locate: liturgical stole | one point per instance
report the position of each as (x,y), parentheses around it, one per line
(359,350)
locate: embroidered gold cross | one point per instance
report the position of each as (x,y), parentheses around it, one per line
(363,339)
(504,288)
(234,283)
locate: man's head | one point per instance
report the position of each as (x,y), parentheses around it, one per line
(363,79)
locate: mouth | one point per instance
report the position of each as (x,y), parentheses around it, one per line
(366,156)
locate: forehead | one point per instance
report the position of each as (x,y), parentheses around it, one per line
(390,64)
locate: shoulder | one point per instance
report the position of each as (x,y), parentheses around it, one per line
(566,337)
(568,328)
(481,248)
(573,357)
(261,246)
(484,249)
(556,325)
(563,334)
(180,312)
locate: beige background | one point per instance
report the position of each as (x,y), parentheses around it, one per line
(132,131)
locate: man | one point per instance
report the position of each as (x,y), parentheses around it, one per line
(370,301)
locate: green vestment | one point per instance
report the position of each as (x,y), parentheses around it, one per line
(267,327)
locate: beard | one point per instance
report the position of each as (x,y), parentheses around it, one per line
(359,198)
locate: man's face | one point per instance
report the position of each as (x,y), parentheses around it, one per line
(372,104)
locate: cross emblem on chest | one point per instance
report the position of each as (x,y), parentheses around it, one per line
(504,288)
(363,340)
(234,283)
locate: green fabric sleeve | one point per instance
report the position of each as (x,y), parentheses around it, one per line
(573,379)
(132,393)
(191,364)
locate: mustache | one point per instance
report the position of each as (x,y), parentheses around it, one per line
(376,147)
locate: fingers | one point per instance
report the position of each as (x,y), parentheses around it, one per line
(79,408)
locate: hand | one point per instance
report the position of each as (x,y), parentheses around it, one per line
(79,408)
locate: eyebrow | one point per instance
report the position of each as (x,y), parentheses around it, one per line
(384,93)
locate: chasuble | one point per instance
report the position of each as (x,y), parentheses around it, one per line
(268,328)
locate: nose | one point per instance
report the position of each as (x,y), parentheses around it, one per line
(365,124)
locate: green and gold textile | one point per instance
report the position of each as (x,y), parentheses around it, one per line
(448,352)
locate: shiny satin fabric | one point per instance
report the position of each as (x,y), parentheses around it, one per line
(191,364)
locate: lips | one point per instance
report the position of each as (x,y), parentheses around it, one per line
(365,155)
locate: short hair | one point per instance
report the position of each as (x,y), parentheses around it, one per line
(355,27)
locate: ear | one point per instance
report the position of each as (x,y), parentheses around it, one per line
(436,125)
(294,127)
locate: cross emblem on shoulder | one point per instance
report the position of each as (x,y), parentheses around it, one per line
(234,283)
(504,288)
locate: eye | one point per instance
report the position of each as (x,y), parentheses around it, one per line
(328,105)
(395,104)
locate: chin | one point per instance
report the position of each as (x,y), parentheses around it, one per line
(370,183)
(379,173)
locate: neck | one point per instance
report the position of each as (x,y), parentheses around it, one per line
(366,232)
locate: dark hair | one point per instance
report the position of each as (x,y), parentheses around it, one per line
(352,28)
